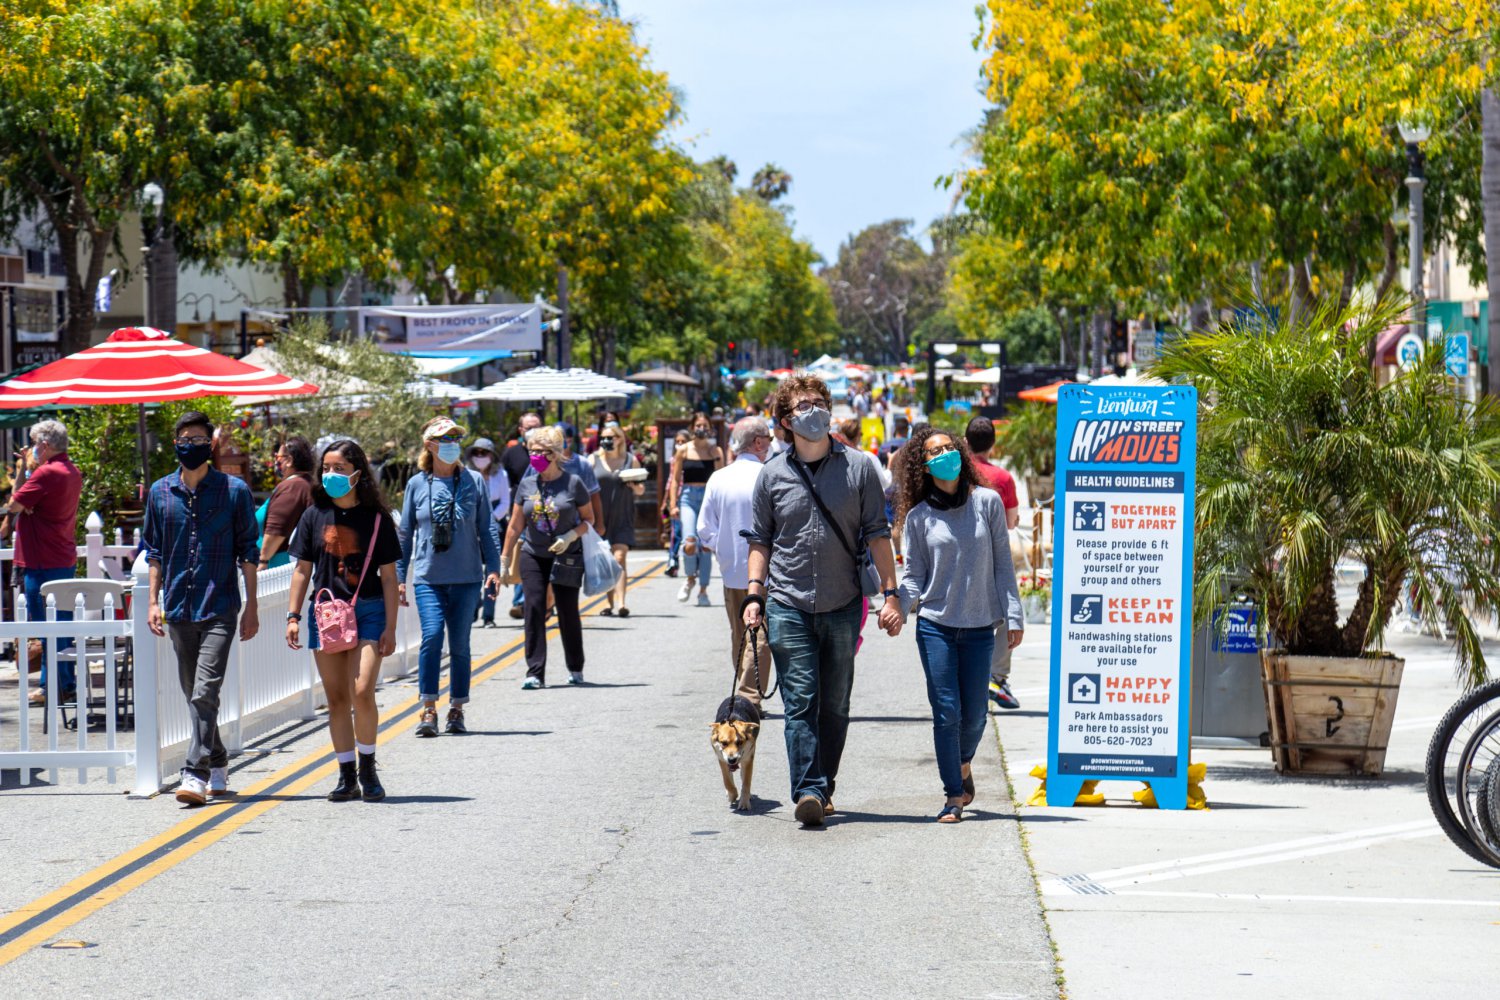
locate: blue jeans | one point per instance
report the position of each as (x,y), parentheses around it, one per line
(957,664)
(814,656)
(700,563)
(447,606)
(36,610)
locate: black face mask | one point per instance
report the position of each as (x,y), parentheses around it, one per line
(192,456)
(700,432)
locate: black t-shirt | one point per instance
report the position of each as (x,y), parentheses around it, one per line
(335,541)
(516,461)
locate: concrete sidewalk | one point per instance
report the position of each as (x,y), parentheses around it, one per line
(1285,887)
(577,844)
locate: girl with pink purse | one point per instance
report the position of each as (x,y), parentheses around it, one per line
(346,547)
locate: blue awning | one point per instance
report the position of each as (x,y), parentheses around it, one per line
(446,362)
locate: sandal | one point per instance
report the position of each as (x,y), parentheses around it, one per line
(968,788)
(624,612)
(607,613)
(951,814)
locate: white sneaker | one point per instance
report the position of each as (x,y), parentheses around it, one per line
(703,601)
(218,782)
(192,790)
(685,592)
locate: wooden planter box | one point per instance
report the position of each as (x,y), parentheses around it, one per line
(1330,714)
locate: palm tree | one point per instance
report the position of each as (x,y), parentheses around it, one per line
(1305,459)
(771,182)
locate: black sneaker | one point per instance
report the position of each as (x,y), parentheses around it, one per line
(455,726)
(1001,696)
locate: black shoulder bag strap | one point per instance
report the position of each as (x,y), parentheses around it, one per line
(823,509)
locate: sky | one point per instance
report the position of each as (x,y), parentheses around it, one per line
(864,104)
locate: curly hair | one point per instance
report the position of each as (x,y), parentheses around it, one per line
(913,481)
(789,390)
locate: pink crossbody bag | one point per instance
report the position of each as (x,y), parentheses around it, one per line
(338,626)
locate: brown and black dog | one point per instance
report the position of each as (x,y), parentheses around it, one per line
(733,733)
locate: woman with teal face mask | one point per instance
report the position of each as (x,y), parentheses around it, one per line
(450,554)
(960,579)
(346,544)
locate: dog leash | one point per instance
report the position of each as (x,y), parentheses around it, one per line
(751,636)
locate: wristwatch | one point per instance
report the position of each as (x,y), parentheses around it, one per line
(888,594)
(293,616)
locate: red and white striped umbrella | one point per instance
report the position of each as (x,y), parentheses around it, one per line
(143,365)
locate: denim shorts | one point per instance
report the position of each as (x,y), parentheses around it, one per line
(369,614)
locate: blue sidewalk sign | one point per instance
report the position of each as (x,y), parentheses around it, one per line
(1122,590)
(1456,355)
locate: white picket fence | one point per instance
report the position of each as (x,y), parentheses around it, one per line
(266,686)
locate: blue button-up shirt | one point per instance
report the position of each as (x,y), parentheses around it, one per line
(199,538)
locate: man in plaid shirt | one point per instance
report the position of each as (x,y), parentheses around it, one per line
(200,527)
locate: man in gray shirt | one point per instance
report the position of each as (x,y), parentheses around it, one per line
(804,580)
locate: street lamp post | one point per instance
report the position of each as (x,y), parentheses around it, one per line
(152,197)
(1414,135)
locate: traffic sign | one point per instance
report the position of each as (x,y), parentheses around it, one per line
(1409,351)
(1456,355)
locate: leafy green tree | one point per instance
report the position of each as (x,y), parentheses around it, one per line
(1151,155)
(885,285)
(365,392)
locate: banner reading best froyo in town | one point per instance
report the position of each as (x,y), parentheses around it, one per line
(1122,589)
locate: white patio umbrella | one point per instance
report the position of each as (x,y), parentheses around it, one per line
(989,376)
(554,386)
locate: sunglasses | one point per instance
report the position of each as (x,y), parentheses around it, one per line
(608,442)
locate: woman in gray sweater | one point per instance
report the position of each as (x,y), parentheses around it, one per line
(959,574)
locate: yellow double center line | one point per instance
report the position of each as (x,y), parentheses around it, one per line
(42,918)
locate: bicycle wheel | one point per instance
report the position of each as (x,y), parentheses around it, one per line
(1487,803)
(1453,733)
(1476,808)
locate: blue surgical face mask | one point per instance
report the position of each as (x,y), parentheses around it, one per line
(946,465)
(336,484)
(448,451)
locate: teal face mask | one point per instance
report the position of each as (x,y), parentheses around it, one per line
(946,465)
(336,484)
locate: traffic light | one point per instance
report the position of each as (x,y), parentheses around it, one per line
(1119,346)
(731,347)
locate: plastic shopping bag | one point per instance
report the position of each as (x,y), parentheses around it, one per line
(600,571)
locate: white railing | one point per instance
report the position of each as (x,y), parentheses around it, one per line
(265,687)
(86,753)
(101,561)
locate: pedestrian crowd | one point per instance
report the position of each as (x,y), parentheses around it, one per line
(804,524)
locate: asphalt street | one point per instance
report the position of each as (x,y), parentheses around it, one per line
(577,843)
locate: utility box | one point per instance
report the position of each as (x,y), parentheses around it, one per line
(1229,699)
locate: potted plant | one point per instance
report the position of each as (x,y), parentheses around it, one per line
(1305,460)
(1036,597)
(1029,439)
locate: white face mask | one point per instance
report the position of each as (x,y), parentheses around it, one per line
(481,462)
